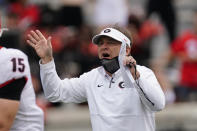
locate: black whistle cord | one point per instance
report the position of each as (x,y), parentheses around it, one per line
(137,82)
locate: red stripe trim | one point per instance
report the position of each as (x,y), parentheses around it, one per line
(10,81)
(6,83)
(1,47)
(26,79)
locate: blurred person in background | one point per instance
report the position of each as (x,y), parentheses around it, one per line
(108,12)
(143,32)
(166,12)
(184,50)
(29,14)
(121,95)
(20,15)
(71,13)
(18,110)
(87,50)
(11,38)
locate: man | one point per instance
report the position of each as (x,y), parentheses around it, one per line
(18,110)
(115,100)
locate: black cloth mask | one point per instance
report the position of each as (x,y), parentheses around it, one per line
(110,65)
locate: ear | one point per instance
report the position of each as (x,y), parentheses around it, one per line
(128,51)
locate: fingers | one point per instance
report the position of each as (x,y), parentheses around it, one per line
(129,60)
(32,39)
(49,41)
(131,63)
(40,35)
(35,36)
(31,43)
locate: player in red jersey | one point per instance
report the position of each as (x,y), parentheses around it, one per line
(184,49)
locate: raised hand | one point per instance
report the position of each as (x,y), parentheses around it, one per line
(131,63)
(41,45)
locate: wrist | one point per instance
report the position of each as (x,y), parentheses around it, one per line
(46,60)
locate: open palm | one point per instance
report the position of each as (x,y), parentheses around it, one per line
(41,45)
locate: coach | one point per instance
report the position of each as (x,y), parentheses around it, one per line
(122,96)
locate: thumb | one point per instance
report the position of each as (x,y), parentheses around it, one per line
(49,41)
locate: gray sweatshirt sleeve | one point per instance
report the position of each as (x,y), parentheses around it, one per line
(67,90)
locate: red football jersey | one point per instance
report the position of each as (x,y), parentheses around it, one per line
(187,44)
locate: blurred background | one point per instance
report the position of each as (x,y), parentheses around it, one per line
(164,36)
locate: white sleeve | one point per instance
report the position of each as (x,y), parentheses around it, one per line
(67,90)
(150,91)
(148,87)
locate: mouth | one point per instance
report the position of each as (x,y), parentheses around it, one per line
(105,55)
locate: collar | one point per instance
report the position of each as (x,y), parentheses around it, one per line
(115,75)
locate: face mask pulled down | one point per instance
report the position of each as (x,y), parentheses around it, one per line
(110,65)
